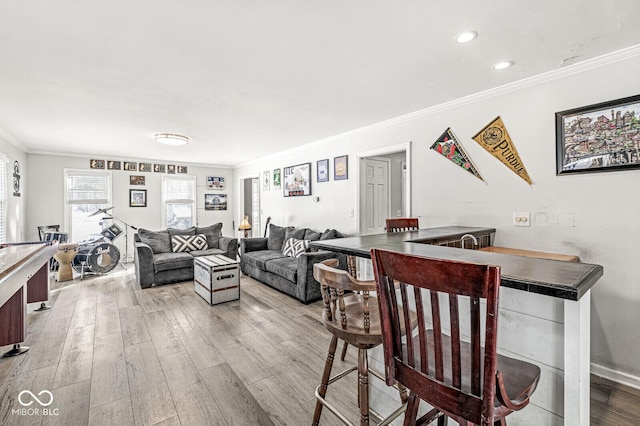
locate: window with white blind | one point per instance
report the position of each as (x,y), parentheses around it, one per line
(179,201)
(3,198)
(86,191)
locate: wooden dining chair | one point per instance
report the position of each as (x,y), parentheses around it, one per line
(351,314)
(444,364)
(399,224)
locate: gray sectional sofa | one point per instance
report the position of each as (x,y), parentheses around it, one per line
(264,260)
(157,260)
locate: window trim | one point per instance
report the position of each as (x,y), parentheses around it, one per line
(163,209)
(67,208)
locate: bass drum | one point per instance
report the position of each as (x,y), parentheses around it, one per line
(99,258)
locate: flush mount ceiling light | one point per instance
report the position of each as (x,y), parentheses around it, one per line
(171,139)
(466,37)
(502,65)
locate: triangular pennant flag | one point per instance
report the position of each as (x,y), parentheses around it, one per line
(449,146)
(495,139)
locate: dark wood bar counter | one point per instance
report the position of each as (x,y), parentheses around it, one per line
(565,280)
(544,301)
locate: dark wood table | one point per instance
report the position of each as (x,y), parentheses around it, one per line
(567,283)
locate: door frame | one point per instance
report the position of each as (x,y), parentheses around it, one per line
(240,203)
(407,148)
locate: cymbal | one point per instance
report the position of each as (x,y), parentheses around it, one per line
(101,211)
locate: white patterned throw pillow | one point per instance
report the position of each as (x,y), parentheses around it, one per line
(180,243)
(294,248)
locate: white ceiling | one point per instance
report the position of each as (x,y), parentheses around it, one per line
(246,79)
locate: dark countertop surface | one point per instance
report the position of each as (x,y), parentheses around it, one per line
(555,278)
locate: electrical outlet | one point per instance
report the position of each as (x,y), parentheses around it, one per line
(521,219)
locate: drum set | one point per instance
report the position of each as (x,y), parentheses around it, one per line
(96,256)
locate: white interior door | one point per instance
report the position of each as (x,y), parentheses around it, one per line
(376,193)
(255,208)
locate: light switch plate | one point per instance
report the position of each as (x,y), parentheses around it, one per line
(521,219)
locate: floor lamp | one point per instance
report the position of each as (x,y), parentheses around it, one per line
(245,226)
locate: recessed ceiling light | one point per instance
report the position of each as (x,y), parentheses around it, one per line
(171,139)
(502,65)
(466,37)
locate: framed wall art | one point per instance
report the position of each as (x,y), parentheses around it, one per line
(341,167)
(144,167)
(113,165)
(322,170)
(159,168)
(215,182)
(96,164)
(215,201)
(182,169)
(277,179)
(266,180)
(137,198)
(136,180)
(171,169)
(297,180)
(130,166)
(599,137)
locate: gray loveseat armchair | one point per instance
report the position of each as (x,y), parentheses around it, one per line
(166,256)
(269,261)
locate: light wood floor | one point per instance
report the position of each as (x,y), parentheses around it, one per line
(111,353)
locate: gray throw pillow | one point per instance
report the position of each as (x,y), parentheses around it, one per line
(188,231)
(312,235)
(276,237)
(329,234)
(213,234)
(159,241)
(295,233)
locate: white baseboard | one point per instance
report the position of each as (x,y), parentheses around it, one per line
(616,376)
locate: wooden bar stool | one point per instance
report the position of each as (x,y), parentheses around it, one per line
(355,319)
(450,371)
(400,224)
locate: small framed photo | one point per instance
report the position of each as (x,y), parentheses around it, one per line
(96,164)
(113,165)
(266,180)
(171,169)
(600,137)
(131,166)
(182,169)
(215,182)
(322,170)
(137,198)
(159,168)
(144,167)
(277,179)
(341,167)
(215,201)
(136,180)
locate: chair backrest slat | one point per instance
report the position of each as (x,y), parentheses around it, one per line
(440,349)
(400,224)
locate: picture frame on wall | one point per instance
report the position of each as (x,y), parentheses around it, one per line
(322,170)
(131,166)
(600,137)
(113,165)
(215,182)
(136,180)
(159,168)
(266,180)
(137,198)
(277,179)
(144,167)
(297,180)
(215,201)
(96,164)
(171,169)
(341,167)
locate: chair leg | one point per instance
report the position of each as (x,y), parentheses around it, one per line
(500,422)
(344,351)
(363,386)
(326,375)
(411,413)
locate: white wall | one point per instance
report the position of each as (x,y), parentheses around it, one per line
(605,205)
(16,205)
(46,196)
